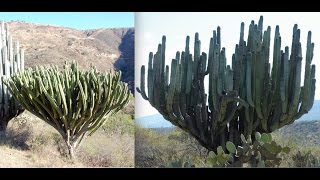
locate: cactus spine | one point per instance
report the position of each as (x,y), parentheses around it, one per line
(11,61)
(74,102)
(243,98)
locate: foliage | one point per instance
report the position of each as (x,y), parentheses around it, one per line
(120,123)
(75,102)
(263,152)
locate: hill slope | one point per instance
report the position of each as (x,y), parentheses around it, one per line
(30,141)
(157,120)
(302,133)
(53,45)
(313,114)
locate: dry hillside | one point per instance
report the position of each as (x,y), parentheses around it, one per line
(30,142)
(47,45)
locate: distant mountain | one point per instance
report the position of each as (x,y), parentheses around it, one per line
(125,63)
(313,114)
(105,48)
(164,130)
(153,121)
(302,133)
(157,120)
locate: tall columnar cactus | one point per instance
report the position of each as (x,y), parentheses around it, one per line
(74,102)
(181,97)
(275,98)
(11,61)
(242,99)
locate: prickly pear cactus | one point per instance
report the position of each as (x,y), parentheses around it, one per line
(180,164)
(262,152)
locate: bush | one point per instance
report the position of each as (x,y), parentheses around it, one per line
(120,123)
(305,159)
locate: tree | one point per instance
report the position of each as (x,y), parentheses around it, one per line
(76,103)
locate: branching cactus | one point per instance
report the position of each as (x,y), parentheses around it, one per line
(11,61)
(242,99)
(181,97)
(76,103)
(275,98)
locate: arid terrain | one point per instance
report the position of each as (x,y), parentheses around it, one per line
(161,147)
(107,48)
(30,141)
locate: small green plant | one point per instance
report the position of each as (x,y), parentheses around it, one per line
(305,159)
(181,164)
(219,159)
(263,152)
(75,102)
(122,122)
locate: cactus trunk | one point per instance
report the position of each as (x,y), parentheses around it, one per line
(11,62)
(71,148)
(3,127)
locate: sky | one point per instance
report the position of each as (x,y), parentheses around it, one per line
(176,26)
(77,20)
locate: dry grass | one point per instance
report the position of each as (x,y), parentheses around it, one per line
(159,149)
(31,142)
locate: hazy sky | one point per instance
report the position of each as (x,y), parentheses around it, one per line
(78,20)
(176,26)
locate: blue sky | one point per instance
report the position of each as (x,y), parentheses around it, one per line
(77,20)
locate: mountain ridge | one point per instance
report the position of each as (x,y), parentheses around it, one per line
(157,120)
(46,44)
